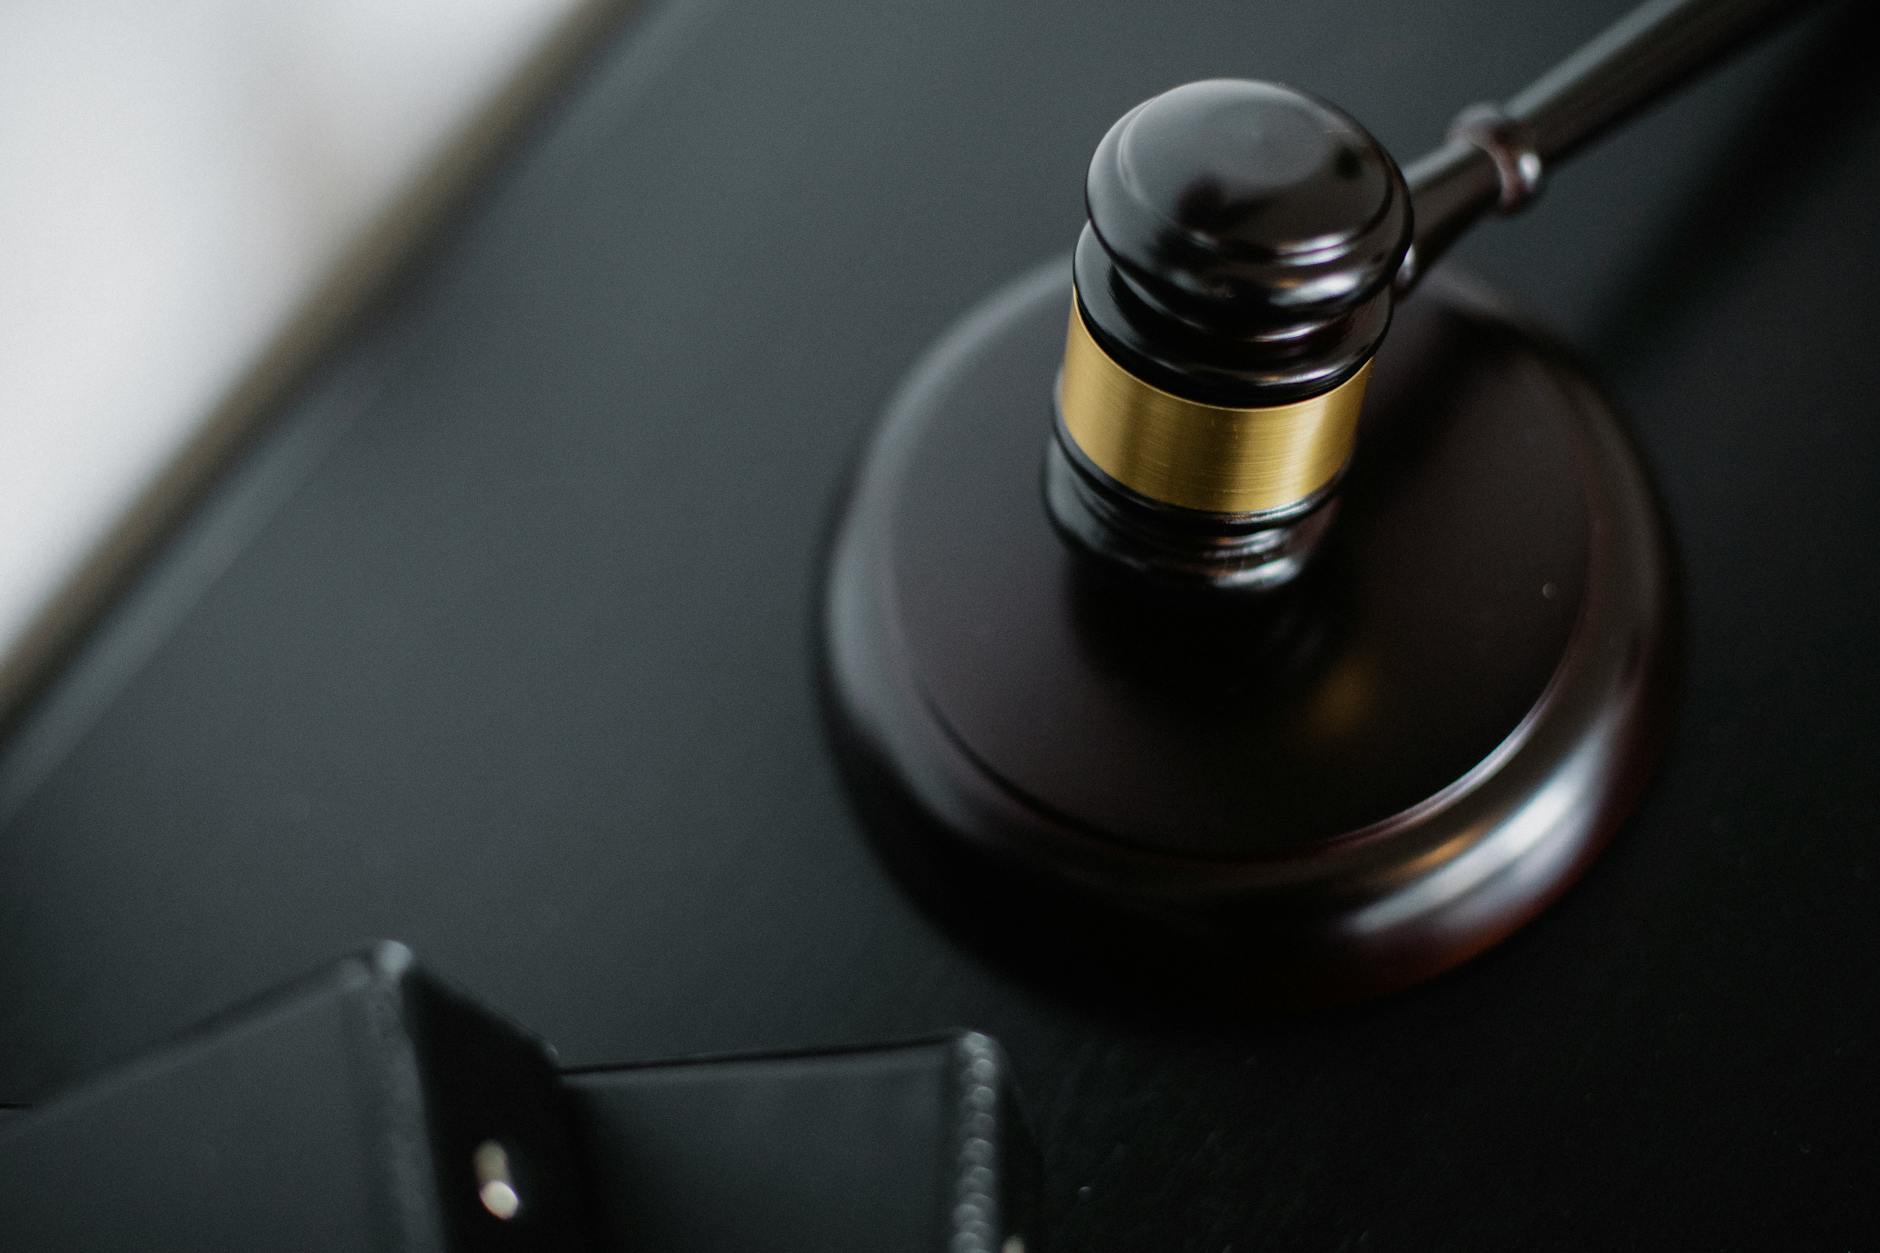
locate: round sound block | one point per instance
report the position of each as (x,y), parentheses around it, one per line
(1329,791)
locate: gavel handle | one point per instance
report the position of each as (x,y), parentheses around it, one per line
(1496,156)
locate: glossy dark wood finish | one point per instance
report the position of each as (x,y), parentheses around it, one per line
(1349,785)
(1241,246)
(1650,52)
(1245,241)
(1242,240)
(1647,54)
(1177,552)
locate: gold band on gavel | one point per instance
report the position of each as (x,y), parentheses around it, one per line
(1199,456)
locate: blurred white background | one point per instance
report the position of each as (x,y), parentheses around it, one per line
(186,191)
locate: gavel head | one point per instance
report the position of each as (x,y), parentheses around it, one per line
(1231,288)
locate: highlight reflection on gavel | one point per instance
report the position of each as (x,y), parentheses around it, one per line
(1246,245)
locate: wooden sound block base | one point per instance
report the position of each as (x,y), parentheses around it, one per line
(1322,794)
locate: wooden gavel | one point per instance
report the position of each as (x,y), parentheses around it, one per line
(1245,247)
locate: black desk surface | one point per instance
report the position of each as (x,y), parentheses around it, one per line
(499,640)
